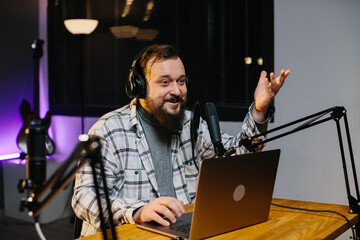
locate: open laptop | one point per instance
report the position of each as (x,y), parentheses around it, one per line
(232,192)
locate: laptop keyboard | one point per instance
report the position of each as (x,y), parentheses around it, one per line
(185,228)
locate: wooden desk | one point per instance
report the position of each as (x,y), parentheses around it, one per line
(282,224)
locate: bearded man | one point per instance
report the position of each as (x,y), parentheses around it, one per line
(150,168)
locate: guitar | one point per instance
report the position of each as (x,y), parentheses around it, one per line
(25,108)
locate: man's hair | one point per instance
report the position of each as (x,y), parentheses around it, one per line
(155,53)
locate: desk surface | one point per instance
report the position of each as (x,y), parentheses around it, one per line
(282,224)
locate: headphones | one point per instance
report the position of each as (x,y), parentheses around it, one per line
(136,84)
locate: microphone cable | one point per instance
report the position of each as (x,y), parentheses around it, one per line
(194,130)
(322,211)
(38,230)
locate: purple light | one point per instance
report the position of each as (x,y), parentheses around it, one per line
(64,130)
(10,121)
(9,156)
(19,86)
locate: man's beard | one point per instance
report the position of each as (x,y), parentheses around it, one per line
(172,122)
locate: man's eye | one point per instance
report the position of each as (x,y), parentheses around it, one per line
(164,82)
(182,81)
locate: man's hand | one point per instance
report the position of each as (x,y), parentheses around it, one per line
(159,207)
(265,93)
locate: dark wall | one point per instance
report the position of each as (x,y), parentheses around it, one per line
(212,36)
(19,27)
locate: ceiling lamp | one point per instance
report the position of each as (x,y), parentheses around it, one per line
(81,26)
(126,31)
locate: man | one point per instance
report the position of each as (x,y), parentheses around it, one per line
(147,151)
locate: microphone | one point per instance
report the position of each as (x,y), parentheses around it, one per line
(214,128)
(35,159)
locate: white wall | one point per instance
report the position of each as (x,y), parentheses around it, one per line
(319,40)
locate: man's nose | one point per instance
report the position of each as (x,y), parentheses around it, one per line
(175,89)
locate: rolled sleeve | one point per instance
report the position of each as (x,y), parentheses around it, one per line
(124,213)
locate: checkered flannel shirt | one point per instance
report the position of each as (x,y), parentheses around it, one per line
(129,169)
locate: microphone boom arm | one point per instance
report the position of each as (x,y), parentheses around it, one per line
(336,113)
(87,150)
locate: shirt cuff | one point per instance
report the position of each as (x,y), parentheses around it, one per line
(125,215)
(262,126)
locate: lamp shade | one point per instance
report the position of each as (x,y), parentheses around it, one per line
(126,31)
(81,26)
(147,34)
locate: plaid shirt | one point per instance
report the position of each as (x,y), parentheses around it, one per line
(129,169)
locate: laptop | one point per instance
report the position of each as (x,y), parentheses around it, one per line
(232,193)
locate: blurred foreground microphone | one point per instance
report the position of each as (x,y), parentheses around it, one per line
(214,128)
(35,159)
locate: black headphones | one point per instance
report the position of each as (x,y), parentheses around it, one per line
(136,84)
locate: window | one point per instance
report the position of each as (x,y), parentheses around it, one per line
(224,45)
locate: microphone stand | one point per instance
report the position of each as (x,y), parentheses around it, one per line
(87,150)
(336,113)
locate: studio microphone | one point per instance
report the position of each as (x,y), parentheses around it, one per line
(35,159)
(214,128)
